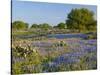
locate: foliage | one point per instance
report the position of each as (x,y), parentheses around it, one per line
(61,26)
(45,26)
(42,26)
(31,58)
(19,25)
(34,26)
(81,19)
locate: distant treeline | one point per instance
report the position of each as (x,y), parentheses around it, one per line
(78,19)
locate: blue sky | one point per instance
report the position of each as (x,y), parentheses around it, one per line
(40,12)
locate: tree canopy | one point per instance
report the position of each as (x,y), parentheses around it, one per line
(41,26)
(17,25)
(34,26)
(61,26)
(81,19)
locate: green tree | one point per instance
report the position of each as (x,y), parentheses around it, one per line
(45,26)
(61,26)
(92,26)
(19,25)
(34,26)
(41,26)
(80,19)
(26,25)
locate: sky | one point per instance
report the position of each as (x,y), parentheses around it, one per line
(42,12)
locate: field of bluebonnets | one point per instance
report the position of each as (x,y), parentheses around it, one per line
(42,48)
